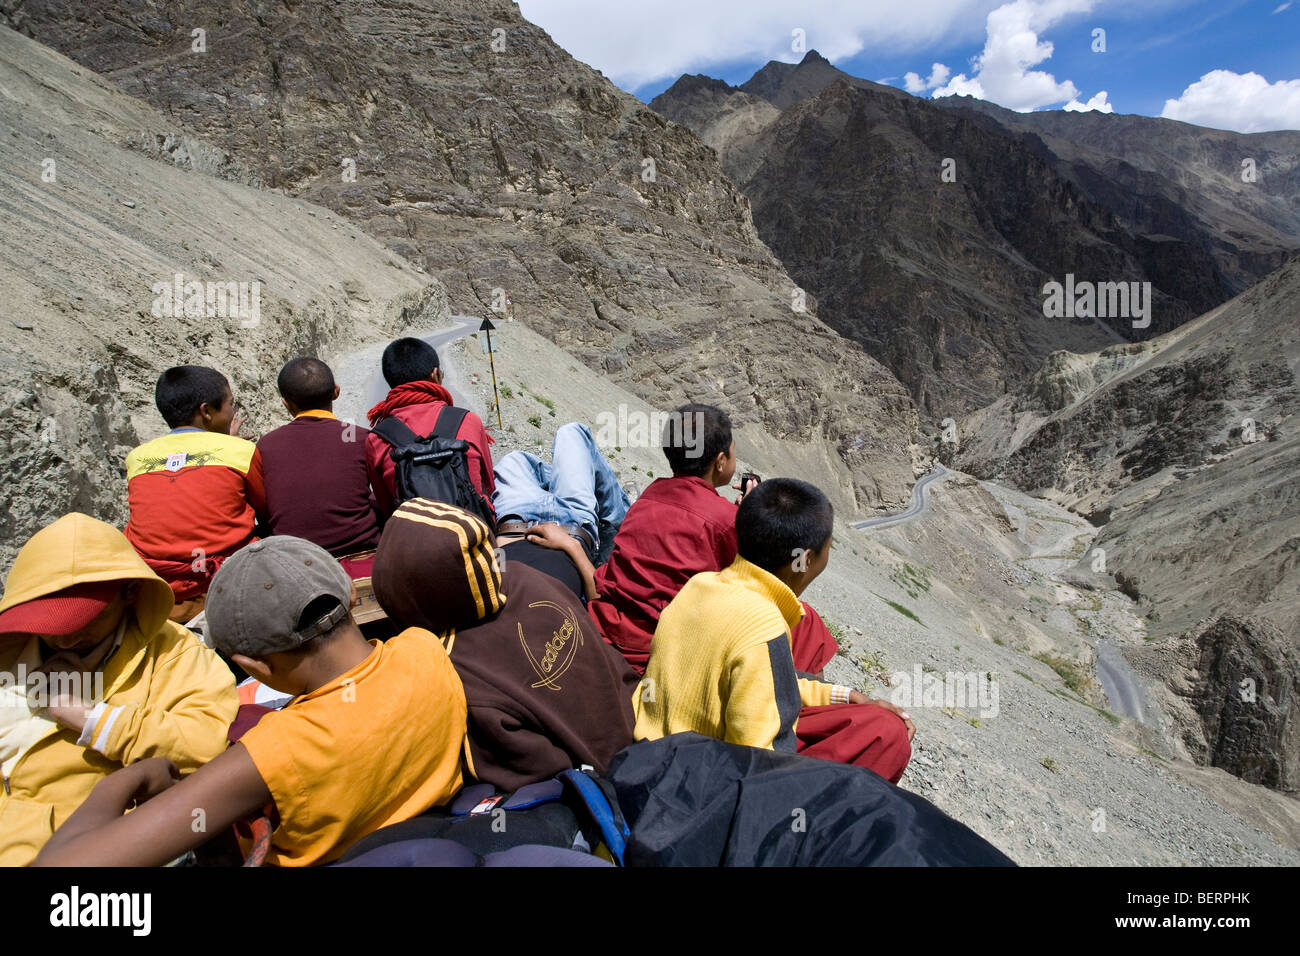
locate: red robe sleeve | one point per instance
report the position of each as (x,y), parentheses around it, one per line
(383,480)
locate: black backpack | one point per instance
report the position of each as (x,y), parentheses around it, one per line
(435,466)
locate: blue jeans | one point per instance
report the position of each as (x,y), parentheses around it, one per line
(578,487)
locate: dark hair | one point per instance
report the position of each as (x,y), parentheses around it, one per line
(694,436)
(183,388)
(313,612)
(780,518)
(307,382)
(408,360)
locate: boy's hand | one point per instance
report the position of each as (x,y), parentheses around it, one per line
(857,697)
(150,777)
(549,536)
(68,713)
(750,486)
(236,425)
(553,536)
(98,834)
(68,669)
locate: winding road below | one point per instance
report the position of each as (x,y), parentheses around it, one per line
(916,507)
(1118,682)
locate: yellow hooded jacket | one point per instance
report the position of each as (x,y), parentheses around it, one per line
(164,693)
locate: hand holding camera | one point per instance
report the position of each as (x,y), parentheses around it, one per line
(748,482)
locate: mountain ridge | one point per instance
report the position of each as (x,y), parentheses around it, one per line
(823,154)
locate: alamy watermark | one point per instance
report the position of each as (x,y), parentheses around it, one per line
(43,689)
(205,299)
(629,428)
(1098,300)
(921,689)
(131,911)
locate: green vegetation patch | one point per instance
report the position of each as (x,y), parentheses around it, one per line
(912,580)
(906,612)
(875,667)
(1069,672)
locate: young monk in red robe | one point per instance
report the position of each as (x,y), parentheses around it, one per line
(678,527)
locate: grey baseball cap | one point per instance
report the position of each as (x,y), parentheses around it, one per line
(259,593)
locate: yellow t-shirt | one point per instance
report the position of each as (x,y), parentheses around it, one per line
(375,746)
(720,663)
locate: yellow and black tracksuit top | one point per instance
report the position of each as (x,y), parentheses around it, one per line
(720,663)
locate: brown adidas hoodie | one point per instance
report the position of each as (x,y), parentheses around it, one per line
(545,691)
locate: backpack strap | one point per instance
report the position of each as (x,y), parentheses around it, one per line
(448,423)
(601,803)
(394,431)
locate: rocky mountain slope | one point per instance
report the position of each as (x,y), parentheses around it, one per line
(462,138)
(942,278)
(106,198)
(1186,449)
(1234,193)
(1192,434)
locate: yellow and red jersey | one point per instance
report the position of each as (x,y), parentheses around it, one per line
(191,499)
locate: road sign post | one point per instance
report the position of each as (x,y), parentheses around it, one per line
(487,328)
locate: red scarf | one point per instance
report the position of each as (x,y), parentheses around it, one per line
(412,393)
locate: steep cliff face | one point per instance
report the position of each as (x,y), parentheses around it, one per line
(108,201)
(464,139)
(942,278)
(1185,446)
(1235,685)
(1247,691)
(1234,194)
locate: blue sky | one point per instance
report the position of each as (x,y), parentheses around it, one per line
(1233,64)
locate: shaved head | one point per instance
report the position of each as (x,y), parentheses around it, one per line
(307,383)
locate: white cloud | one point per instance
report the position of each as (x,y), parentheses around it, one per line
(938,77)
(1001,72)
(1097,103)
(1245,102)
(1282,6)
(636,42)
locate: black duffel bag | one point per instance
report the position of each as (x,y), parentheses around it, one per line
(691,800)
